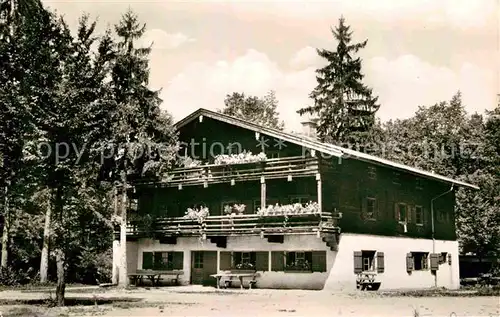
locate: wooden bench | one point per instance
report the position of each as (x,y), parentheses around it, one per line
(229,278)
(366,281)
(155,276)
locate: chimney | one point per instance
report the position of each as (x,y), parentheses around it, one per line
(309,125)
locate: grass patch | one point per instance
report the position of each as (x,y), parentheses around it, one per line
(34,287)
(23,311)
(485,291)
(161,305)
(69,301)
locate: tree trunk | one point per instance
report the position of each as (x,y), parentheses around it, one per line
(123,276)
(6,229)
(44,261)
(61,282)
(116,243)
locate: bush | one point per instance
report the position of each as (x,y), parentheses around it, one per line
(11,277)
(93,267)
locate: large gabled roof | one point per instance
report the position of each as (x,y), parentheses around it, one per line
(314,144)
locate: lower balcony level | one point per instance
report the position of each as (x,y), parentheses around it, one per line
(231,225)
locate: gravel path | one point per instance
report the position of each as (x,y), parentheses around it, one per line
(206,301)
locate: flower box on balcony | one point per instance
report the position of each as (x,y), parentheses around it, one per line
(242,158)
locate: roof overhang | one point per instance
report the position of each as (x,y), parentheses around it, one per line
(312,144)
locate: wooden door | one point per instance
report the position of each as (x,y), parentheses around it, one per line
(203,264)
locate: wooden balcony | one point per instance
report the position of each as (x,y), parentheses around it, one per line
(270,169)
(325,222)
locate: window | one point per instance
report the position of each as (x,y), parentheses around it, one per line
(234,148)
(227,207)
(418,184)
(396,178)
(372,172)
(298,261)
(255,260)
(441,215)
(419,215)
(368,260)
(133,204)
(300,200)
(420,261)
(443,257)
(198,260)
(162,260)
(370,208)
(244,260)
(304,262)
(401,212)
(256,205)
(273,154)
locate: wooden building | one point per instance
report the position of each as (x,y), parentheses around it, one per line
(302,213)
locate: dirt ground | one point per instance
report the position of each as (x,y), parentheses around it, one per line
(207,301)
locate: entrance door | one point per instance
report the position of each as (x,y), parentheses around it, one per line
(203,264)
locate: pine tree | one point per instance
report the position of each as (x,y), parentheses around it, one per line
(143,142)
(344,105)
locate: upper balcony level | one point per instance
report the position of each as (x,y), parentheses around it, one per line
(230,172)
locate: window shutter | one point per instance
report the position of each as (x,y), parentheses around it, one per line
(375,208)
(178,260)
(396,216)
(434,261)
(277,261)
(318,261)
(147,260)
(237,258)
(409,262)
(262,261)
(225,261)
(409,216)
(358,262)
(380,262)
(158,261)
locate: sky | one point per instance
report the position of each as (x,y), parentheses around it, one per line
(419,52)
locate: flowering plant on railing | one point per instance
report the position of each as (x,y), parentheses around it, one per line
(198,214)
(298,265)
(290,209)
(236,208)
(187,161)
(244,157)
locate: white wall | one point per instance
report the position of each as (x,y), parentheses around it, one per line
(314,280)
(395,276)
(340,265)
(132,248)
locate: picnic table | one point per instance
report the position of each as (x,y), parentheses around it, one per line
(154,276)
(366,281)
(231,275)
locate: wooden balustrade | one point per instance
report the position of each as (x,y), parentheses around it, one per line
(271,169)
(239,224)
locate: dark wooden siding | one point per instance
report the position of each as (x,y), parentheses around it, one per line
(347,185)
(211,133)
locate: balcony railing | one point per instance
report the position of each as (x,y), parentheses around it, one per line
(272,168)
(325,222)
